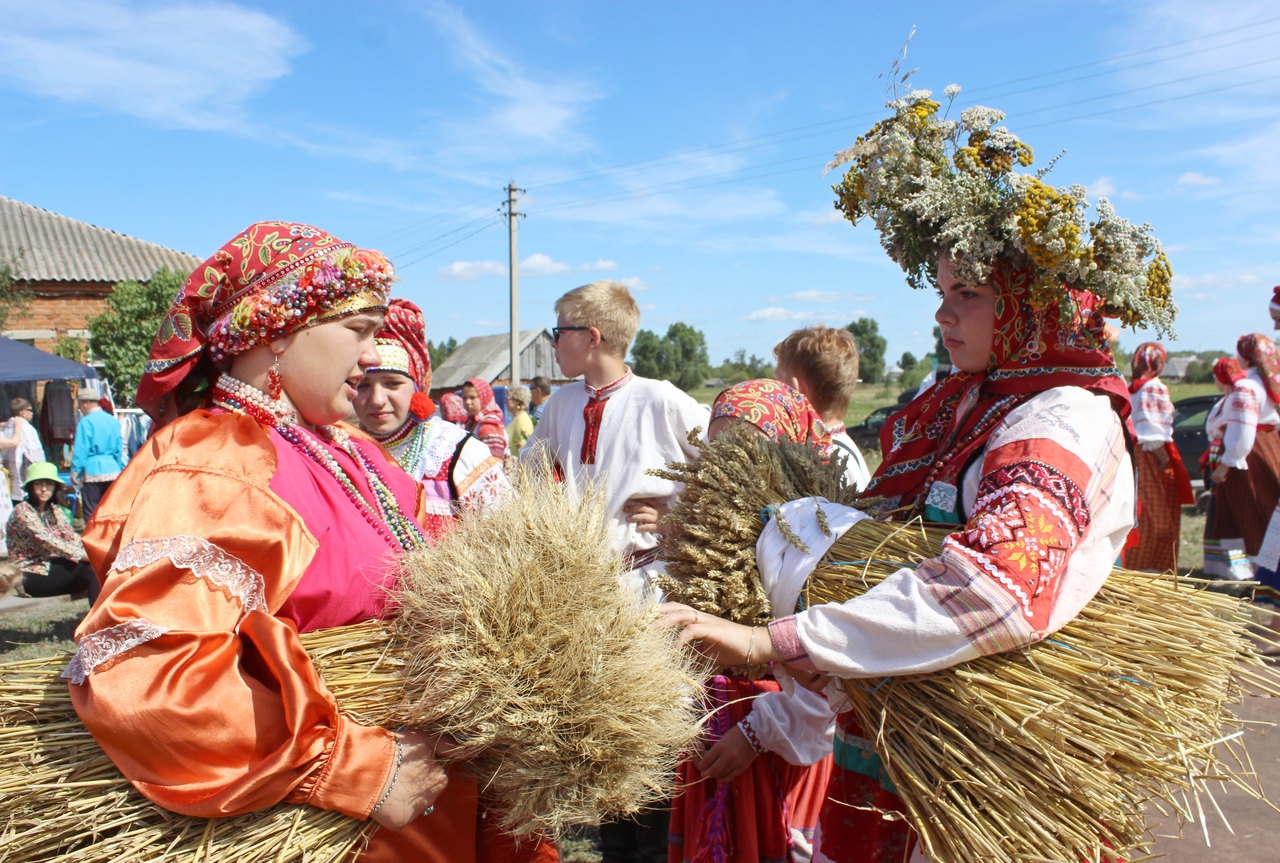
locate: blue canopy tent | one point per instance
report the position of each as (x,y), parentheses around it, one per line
(21,363)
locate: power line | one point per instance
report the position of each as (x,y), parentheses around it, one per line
(422,244)
(434,252)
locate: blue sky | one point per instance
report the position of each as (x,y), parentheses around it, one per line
(676,146)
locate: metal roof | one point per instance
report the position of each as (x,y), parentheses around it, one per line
(486,357)
(46,247)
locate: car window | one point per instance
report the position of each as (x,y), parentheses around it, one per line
(1195,420)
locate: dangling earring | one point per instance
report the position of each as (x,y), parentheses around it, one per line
(275,383)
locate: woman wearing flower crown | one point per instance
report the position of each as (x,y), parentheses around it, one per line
(252,514)
(457,472)
(1023,448)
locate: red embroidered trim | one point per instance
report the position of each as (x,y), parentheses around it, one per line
(594,412)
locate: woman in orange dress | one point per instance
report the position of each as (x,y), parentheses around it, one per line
(254,513)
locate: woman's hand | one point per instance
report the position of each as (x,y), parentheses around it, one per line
(646,514)
(1162,458)
(1219,474)
(724,642)
(418,783)
(727,757)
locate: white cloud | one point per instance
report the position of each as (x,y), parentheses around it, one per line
(467,271)
(648,307)
(156,63)
(1102,187)
(636,283)
(524,109)
(1195,178)
(601,264)
(502,325)
(828,218)
(781,313)
(539,264)
(1214,282)
(828,297)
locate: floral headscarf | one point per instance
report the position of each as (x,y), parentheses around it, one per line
(402,347)
(489,425)
(931,439)
(270,280)
(1227,370)
(1261,353)
(1148,362)
(453,409)
(776,409)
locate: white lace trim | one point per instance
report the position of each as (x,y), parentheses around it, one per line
(442,443)
(106,644)
(205,560)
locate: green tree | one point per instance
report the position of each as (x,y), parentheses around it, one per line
(680,356)
(123,334)
(72,348)
(441,352)
(871,347)
(1199,372)
(740,368)
(15,300)
(908,361)
(941,356)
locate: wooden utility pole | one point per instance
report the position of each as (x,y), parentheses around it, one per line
(513,268)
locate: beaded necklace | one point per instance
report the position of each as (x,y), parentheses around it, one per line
(407,444)
(390,522)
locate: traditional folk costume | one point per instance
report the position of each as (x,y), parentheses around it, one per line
(488,424)
(1246,501)
(1224,558)
(612,436)
(770,811)
(452,409)
(457,472)
(1162,492)
(231,531)
(1028,458)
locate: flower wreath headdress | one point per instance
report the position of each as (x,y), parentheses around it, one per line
(932,184)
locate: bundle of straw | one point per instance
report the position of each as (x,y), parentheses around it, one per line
(1044,754)
(514,635)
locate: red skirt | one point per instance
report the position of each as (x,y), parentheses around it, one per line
(853,827)
(1162,493)
(1244,501)
(750,820)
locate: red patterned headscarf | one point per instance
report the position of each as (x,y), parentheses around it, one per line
(1260,352)
(932,438)
(1227,370)
(1274,306)
(452,408)
(270,280)
(1148,362)
(776,409)
(402,347)
(490,413)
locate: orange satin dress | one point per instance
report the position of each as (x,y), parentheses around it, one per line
(199,692)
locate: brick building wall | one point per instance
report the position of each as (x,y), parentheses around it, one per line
(58,309)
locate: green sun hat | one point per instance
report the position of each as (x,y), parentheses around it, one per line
(45,470)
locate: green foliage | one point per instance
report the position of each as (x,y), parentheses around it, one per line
(1199,372)
(913,376)
(941,356)
(441,352)
(740,368)
(908,361)
(871,347)
(72,348)
(15,300)
(123,334)
(680,356)
(1124,359)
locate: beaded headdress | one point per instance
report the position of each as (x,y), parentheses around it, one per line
(273,278)
(935,185)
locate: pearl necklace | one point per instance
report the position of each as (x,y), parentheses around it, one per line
(389,521)
(407,444)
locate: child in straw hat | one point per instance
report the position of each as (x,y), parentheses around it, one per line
(1023,448)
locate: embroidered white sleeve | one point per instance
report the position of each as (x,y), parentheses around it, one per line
(205,560)
(105,644)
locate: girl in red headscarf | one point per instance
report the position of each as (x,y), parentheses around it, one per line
(252,514)
(484,417)
(1247,481)
(456,470)
(1163,483)
(1223,559)
(755,792)
(1024,450)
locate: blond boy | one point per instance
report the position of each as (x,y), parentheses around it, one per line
(822,363)
(612,427)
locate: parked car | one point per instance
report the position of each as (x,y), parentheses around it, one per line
(1189,415)
(867,433)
